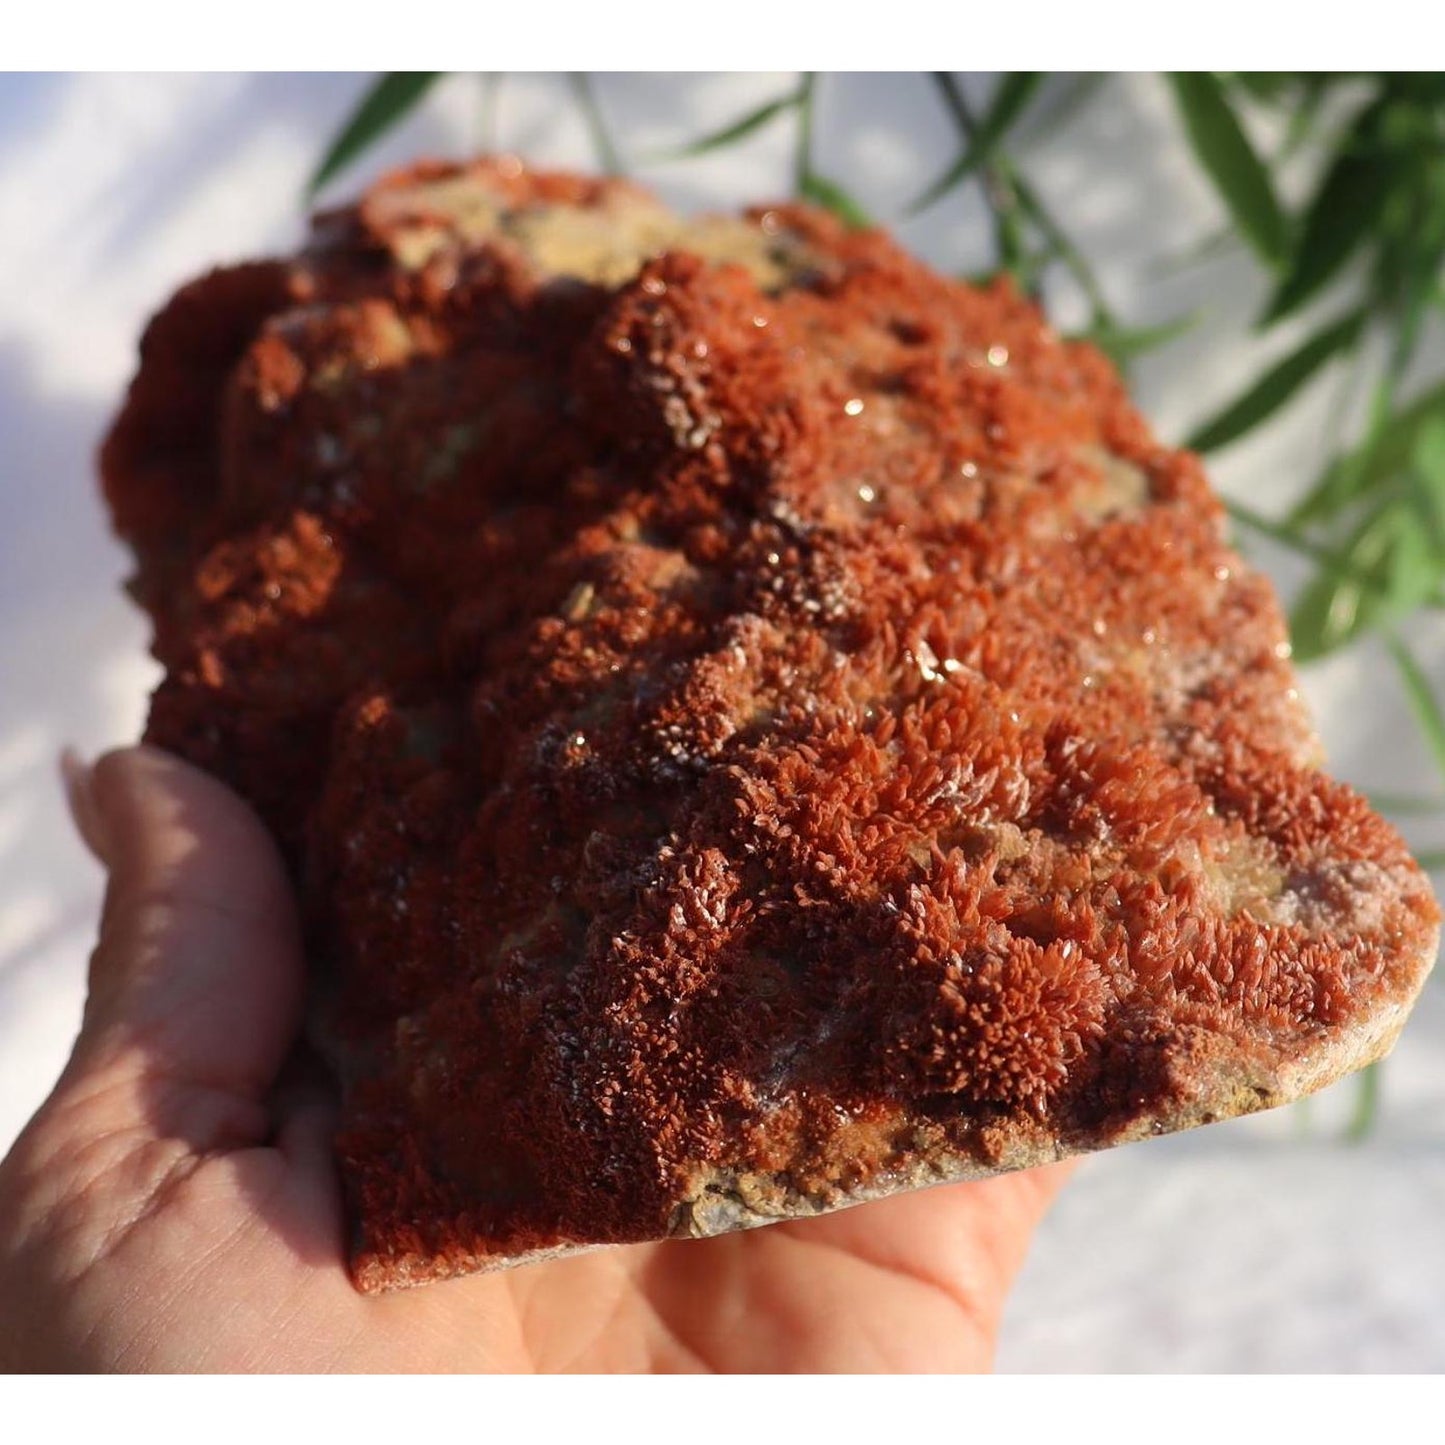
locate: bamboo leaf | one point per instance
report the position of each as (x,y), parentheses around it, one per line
(1074,261)
(1015,257)
(1285,533)
(1324,615)
(739,129)
(1408,123)
(1015,90)
(1384,455)
(1421,697)
(1338,222)
(1201,253)
(603,145)
(1226,154)
(1407,260)
(1011,98)
(1268,86)
(1427,495)
(1428,451)
(1065,103)
(968,162)
(1414,565)
(1122,344)
(1303,121)
(1290,536)
(832,197)
(1347,596)
(1277,385)
(1427,498)
(388,100)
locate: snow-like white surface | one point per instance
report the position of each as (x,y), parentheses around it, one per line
(1259,1245)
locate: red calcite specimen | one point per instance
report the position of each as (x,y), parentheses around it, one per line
(755,724)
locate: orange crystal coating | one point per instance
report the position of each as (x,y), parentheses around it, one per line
(721,724)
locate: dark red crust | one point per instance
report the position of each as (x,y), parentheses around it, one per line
(720,731)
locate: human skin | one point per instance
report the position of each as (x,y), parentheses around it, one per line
(173,1205)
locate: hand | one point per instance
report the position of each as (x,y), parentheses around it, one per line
(173,1205)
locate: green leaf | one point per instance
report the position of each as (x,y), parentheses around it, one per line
(968,162)
(739,129)
(1301,127)
(1200,253)
(1266,85)
(1379,457)
(1325,615)
(1225,153)
(1426,494)
(1421,697)
(1414,564)
(1408,261)
(832,197)
(1432,862)
(1428,452)
(1426,85)
(1277,385)
(1408,124)
(1011,98)
(1346,597)
(1062,102)
(1121,344)
(388,100)
(603,146)
(1427,455)
(1015,256)
(1337,223)
(1284,533)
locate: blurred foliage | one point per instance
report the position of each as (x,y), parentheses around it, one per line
(388,100)
(1356,277)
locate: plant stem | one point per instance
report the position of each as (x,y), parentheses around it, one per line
(1288,536)
(1012,201)
(803,151)
(998,192)
(1284,534)
(1067,252)
(602,145)
(1424,703)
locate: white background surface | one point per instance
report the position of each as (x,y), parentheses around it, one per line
(1260,1245)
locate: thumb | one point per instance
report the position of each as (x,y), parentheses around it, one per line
(196,983)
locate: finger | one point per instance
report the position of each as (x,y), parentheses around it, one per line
(196,983)
(1003,1214)
(974,1234)
(969,1239)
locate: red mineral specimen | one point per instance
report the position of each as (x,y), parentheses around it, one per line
(755,724)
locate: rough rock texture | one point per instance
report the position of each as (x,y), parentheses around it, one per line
(756,724)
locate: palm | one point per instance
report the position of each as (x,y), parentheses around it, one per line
(173,1207)
(909,1283)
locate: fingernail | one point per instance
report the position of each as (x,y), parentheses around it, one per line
(78,777)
